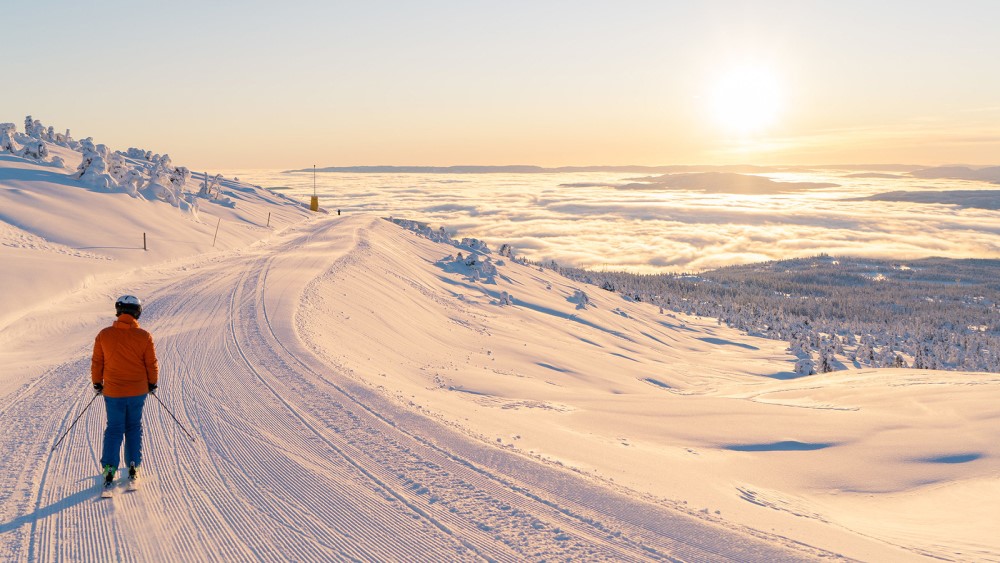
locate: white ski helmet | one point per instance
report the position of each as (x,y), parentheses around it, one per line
(129,305)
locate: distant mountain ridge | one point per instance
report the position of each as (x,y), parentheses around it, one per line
(988,174)
(666,169)
(522,169)
(982,199)
(724,182)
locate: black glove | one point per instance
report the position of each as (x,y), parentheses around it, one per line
(152,388)
(98,387)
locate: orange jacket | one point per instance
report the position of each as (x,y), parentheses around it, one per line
(124,359)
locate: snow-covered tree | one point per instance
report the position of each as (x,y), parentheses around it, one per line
(34,149)
(7,143)
(179,177)
(804,367)
(164,161)
(205,189)
(439,235)
(87,146)
(85,163)
(96,173)
(159,185)
(132,182)
(581,299)
(117,167)
(887,357)
(483,268)
(33,128)
(93,168)
(476,244)
(826,361)
(139,154)
(798,344)
(65,140)
(36,130)
(210,188)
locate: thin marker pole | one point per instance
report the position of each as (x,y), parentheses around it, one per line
(314,203)
(216,232)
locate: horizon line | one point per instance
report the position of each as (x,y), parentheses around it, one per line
(531,168)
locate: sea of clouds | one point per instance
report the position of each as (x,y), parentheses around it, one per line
(621,221)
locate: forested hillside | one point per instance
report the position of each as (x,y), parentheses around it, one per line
(933,313)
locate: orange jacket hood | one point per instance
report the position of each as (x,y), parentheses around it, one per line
(124,359)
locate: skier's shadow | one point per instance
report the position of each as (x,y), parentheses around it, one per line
(46,511)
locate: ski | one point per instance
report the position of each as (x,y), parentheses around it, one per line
(107,490)
(133,485)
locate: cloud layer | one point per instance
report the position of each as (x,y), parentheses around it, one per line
(581,219)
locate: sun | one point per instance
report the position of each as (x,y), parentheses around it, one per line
(746,100)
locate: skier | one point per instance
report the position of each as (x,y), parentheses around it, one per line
(124,369)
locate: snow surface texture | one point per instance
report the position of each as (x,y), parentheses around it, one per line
(360,392)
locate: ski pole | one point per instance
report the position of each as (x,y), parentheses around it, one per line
(172,416)
(59,441)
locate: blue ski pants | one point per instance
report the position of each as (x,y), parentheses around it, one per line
(124,422)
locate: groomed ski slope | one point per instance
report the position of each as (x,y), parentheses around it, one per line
(297,460)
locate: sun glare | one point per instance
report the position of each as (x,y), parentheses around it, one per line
(746,100)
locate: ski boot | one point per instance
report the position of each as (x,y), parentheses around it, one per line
(109,481)
(133,477)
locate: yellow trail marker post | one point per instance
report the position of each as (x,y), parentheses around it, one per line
(314,203)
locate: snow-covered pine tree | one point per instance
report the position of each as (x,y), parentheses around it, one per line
(33,128)
(117,167)
(804,367)
(96,173)
(203,191)
(179,177)
(93,168)
(7,143)
(133,182)
(826,361)
(34,149)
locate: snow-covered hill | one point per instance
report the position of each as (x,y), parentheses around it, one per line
(359,391)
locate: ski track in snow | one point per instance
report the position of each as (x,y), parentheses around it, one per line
(294,461)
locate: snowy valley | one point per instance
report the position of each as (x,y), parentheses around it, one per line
(363,388)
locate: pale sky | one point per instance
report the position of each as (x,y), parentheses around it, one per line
(255,84)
